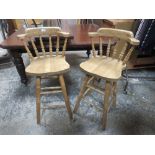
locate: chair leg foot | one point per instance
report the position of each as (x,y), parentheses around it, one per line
(106,103)
(114,94)
(88,53)
(105,113)
(79,97)
(67,102)
(127,82)
(38,87)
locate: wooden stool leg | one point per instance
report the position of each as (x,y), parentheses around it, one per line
(114,94)
(67,102)
(106,103)
(83,88)
(38,83)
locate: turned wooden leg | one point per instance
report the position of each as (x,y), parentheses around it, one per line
(114,94)
(67,102)
(88,53)
(106,103)
(83,89)
(18,61)
(38,85)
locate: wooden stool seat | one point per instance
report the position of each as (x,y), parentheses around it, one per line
(103,67)
(48,66)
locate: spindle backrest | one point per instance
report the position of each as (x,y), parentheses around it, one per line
(121,49)
(33,34)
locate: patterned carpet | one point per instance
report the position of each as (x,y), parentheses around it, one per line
(134,114)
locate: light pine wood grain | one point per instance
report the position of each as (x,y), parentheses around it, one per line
(93,47)
(42,46)
(106,103)
(38,88)
(82,91)
(101,50)
(67,102)
(34,47)
(103,67)
(32,33)
(114,91)
(108,67)
(46,64)
(108,48)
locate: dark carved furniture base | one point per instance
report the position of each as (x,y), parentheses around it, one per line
(18,61)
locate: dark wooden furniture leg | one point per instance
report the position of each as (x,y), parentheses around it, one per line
(18,61)
(127,81)
(88,53)
(34,22)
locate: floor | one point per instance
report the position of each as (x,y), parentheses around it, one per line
(134,114)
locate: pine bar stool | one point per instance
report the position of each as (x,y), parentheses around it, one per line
(47,64)
(107,67)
